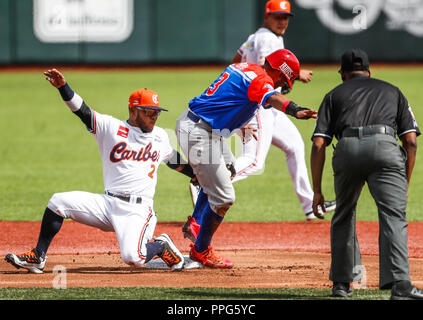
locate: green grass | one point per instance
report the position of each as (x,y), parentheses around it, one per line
(152,293)
(45,149)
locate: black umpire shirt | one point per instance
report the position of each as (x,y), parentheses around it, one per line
(363,101)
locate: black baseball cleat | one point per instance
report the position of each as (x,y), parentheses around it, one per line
(170,255)
(410,293)
(341,289)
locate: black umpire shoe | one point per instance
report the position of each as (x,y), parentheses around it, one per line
(341,289)
(409,292)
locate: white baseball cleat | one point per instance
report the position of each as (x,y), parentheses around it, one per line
(171,255)
(28,260)
(160,264)
(329,205)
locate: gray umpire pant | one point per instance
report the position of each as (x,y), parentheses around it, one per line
(208,154)
(380,161)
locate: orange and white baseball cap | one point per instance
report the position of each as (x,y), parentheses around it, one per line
(145,98)
(278,7)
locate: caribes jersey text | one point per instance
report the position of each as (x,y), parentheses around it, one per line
(120,152)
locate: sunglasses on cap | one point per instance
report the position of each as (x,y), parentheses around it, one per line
(150,111)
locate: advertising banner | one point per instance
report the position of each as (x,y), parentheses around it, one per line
(83,20)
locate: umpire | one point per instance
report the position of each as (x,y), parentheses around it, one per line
(365,114)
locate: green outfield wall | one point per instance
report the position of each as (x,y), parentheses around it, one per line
(200,31)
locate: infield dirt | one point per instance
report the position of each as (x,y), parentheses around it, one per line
(265,255)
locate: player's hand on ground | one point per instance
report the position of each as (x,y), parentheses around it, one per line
(305,75)
(318,201)
(306,114)
(55,77)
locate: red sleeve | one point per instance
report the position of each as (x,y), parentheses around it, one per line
(260,88)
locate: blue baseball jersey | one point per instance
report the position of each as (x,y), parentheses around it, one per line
(230,102)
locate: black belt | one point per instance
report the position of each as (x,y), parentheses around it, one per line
(124,198)
(193,117)
(368,131)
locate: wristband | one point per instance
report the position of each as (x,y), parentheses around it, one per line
(72,100)
(285,104)
(293,108)
(66,92)
(187,170)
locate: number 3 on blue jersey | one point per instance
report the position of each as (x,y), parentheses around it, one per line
(213,88)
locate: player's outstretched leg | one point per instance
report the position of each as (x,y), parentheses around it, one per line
(35,259)
(30,260)
(50,226)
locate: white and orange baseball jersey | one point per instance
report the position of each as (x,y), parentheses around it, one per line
(259,45)
(130,157)
(130,160)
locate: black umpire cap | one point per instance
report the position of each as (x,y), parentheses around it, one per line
(354,60)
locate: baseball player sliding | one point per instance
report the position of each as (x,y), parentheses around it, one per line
(269,126)
(131,152)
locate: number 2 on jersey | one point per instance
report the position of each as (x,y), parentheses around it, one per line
(213,88)
(150,174)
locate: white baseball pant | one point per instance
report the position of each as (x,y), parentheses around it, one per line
(207,153)
(133,223)
(274,127)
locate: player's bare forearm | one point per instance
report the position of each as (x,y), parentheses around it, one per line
(277,101)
